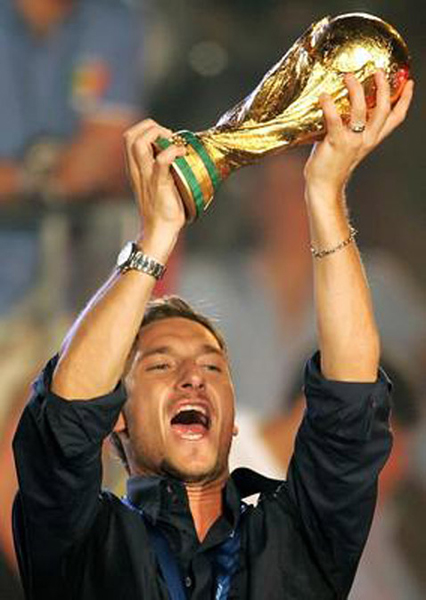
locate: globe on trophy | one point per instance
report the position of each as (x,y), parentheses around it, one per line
(283,110)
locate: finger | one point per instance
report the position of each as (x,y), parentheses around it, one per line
(140,168)
(356,99)
(138,131)
(141,151)
(333,121)
(383,103)
(399,111)
(133,132)
(163,161)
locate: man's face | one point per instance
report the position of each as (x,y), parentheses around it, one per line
(180,408)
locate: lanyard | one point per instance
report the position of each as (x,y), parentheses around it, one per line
(226,559)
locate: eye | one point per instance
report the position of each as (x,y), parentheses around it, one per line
(163,366)
(213,367)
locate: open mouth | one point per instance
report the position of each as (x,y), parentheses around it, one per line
(191,422)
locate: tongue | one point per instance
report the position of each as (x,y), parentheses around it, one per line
(194,428)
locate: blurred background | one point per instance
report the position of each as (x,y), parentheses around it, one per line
(74,75)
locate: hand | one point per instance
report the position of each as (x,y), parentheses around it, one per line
(160,206)
(333,160)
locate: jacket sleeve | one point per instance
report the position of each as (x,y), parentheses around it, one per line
(57,448)
(342,444)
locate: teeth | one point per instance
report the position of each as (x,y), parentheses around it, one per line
(191,436)
(196,407)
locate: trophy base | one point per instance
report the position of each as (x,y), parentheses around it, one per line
(195,174)
(186,194)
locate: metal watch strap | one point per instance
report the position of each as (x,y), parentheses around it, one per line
(144,263)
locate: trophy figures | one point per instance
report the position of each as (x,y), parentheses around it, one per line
(283,111)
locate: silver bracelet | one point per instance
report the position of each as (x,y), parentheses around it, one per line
(346,242)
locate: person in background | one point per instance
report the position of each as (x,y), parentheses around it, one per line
(65,101)
(226,286)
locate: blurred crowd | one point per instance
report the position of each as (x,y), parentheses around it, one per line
(75,74)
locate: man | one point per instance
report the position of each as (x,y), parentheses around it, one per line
(182,530)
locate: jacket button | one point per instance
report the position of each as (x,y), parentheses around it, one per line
(188,582)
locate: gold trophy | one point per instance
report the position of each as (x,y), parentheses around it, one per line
(283,111)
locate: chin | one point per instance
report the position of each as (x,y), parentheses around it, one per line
(202,474)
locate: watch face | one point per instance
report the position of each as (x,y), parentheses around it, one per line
(125,254)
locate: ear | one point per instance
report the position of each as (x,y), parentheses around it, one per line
(120,424)
(235,430)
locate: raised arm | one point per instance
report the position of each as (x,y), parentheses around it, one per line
(57,445)
(344,438)
(96,348)
(348,336)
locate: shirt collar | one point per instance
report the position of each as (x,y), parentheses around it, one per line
(156,495)
(159,496)
(250,482)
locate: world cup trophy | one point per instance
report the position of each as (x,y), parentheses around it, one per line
(283,110)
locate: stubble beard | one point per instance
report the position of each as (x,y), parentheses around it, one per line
(166,467)
(216,472)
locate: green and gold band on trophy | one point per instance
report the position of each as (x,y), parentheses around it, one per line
(284,111)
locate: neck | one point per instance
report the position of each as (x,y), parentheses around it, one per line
(42,16)
(205,502)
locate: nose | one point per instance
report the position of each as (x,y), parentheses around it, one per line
(191,377)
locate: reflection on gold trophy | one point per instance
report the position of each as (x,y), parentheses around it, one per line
(283,111)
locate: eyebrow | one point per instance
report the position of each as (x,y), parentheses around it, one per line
(205,349)
(208,349)
(157,350)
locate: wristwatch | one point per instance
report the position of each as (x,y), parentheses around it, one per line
(130,257)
